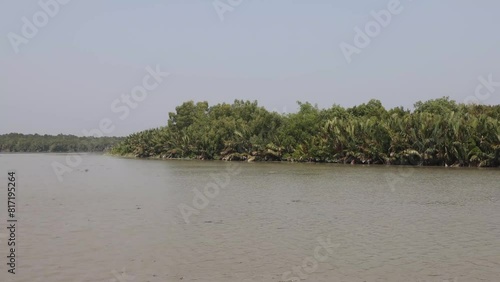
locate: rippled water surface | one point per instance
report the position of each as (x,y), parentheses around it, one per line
(113,219)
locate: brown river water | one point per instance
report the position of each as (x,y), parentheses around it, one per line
(113,219)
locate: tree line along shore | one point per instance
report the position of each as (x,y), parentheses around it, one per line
(35,143)
(439,132)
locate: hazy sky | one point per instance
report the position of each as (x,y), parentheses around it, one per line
(86,54)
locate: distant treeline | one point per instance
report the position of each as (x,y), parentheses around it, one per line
(15,142)
(437,132)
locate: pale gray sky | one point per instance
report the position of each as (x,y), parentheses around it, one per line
(85,55)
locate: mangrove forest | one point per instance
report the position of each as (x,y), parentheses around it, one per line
(36,143)
(439,132)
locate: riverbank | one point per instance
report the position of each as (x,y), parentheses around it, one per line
(131,156)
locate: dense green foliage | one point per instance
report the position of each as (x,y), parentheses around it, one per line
(436,132)
(15,142)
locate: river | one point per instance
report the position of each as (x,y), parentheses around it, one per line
(116,219)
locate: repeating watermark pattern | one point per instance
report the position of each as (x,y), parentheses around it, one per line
(71,163)
(30,28)
(322,253)
(122,107)
(483,90)
(223,6)
(121,276)
(210,191)
(396,178)
(363,36)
